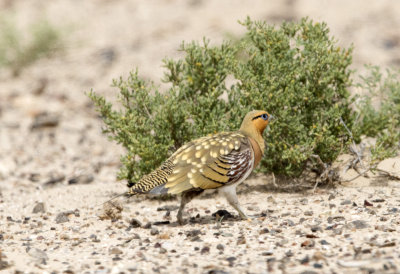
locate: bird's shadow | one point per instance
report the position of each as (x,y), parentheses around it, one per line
(218,219)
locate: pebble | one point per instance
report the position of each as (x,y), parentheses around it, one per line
(154,231)
(38,254)
(168,208)
(61,218)
(115,251)
(346,202)
(308,213)
(220,247)
(135,223)
(81,179)
(241,240)
(54,180)
(205,249)
(358,224)
(366,203)
(304,201)
(39,208)
(44,119)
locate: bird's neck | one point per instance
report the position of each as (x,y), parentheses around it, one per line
(256,135)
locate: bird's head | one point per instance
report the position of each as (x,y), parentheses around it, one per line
(255,121)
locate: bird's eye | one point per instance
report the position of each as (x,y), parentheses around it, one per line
(265,117)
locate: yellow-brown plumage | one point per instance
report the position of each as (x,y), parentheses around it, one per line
(217,161)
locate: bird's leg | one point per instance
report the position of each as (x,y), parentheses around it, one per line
(187,196)
(230,193)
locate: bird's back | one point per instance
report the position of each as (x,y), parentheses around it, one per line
(205,163)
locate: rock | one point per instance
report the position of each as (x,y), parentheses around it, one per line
(54,180)
(308,244)
(323,242)
(38,208)
(264,230)
(205,250)
(241,240)
(378,200)
(135,223)
(346,202)
(44,119)
(168,208)
(162,223)
(305,260)
(357,224)
(366,203)
(231,260)
(154,231)
(220,247)
(38,254)
(304,201)
(317,265)
(115,251)
(61,218)
(81,179)
(308,213)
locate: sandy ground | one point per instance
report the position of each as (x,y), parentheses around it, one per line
(54,180)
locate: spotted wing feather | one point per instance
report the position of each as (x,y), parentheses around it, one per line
(211,162)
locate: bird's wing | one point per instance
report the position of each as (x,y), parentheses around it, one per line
(211,162)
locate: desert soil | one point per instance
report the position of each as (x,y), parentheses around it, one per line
(56,168)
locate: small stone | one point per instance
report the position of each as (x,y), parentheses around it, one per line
(54,180)
(308,213)
(316,228)
(154,231)
(308,244)
(358,224)
(305,260)
(267,253)
(205,250)
(38,208)
(38,254)
(193,235)
(378,200)
(135,223)
(304,201)
(271,199)
(220,247)
(241,240)
(317,265)
(383,219)
(147,226)
(168,208)
(81,179)
(289,253)
(264,231)
(231,260)
(115,251)
(331,197)
(366,203)
(346,202)
(61,218)
(323,242)
(287,222)
(44,119)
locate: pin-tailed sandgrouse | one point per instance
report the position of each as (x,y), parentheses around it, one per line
(222,161)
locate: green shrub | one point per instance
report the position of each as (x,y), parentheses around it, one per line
(382,119)
(16,53)
(295,72)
